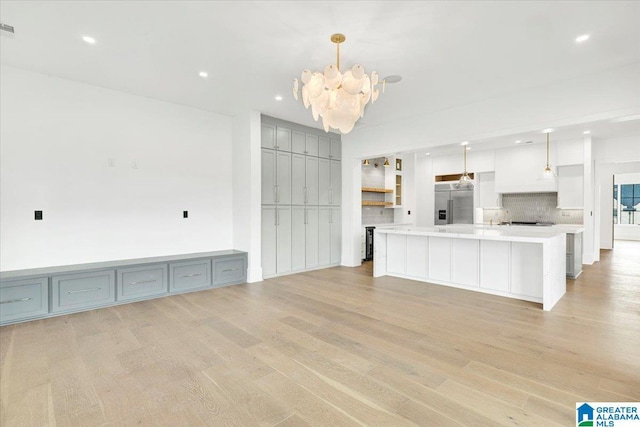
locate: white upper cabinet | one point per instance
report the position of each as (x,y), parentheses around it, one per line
(486,189)
(571,187)
(519,169)
(311,145)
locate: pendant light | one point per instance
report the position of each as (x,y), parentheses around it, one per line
(386,163)
(548,174)
(366,162)
(465,181)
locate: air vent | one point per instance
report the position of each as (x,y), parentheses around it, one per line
(6,27)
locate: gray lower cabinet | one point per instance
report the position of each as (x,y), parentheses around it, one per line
(574,255)
(140,282)
(83,290)
(227,271)
(189,275)
(22,299)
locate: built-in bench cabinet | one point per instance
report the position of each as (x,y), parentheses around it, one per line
(51,291)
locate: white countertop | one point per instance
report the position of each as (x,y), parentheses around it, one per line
(387,225)
(486,232)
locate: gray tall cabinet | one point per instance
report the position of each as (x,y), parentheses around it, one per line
(301,192)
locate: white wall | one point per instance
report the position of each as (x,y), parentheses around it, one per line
(55,141)
(246,190)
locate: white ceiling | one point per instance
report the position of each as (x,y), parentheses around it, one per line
(448,53)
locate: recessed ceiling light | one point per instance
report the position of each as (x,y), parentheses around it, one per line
(468,148)
(89,40)
(278,97)
(582,38)
(518,142)
(586,132)
(464,143)
(203,74)
(547,131)
(427,154)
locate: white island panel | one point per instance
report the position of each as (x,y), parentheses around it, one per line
(494,265)
(527,269)
(440,258)
(397,245)
(465,262)
(511,262)
(417,256)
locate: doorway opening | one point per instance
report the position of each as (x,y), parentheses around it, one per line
(626,207)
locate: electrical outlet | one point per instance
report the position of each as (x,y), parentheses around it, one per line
(134,164)
(111,162)
(38,215)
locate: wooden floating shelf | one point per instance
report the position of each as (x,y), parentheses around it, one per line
(372,203)
(375,190)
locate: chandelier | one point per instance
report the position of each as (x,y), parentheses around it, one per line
(339,98)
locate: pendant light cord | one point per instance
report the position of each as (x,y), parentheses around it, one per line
(547,149)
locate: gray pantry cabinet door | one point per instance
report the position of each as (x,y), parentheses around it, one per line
(336,152)
(324,236)
(268,177)
(283,178)
(298,187)
(311,148)
(311,238)
(324,181)
(283,139)
(336,236)
(311,180)
(283,239)
(324,147)
(298,235)
(335,195)
(268,136)
(298,142)
(269,242)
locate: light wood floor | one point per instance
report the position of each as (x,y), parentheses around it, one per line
(332,347)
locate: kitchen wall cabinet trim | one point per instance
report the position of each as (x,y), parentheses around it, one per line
(52,291)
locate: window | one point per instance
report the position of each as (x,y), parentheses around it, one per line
(626,204)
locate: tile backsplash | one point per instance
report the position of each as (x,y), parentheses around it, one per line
(373,176)
(530,207)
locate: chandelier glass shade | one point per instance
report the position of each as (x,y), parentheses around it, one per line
(337,97)
(465,181)
(548,174)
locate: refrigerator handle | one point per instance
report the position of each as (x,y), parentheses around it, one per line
(450,211)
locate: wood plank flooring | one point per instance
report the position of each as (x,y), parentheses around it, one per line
(332,347)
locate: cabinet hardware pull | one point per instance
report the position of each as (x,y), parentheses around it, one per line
(276,147)
(331,196)
(305,152)
(277,194)
(142,281)
(305,217)
(230,269)
(306,195)
(277,216)
(191,275)
(330,216)
(83,290)
(9,301)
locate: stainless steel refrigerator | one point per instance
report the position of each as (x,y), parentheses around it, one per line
(453,206)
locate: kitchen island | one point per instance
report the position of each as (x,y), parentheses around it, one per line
(506,261)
